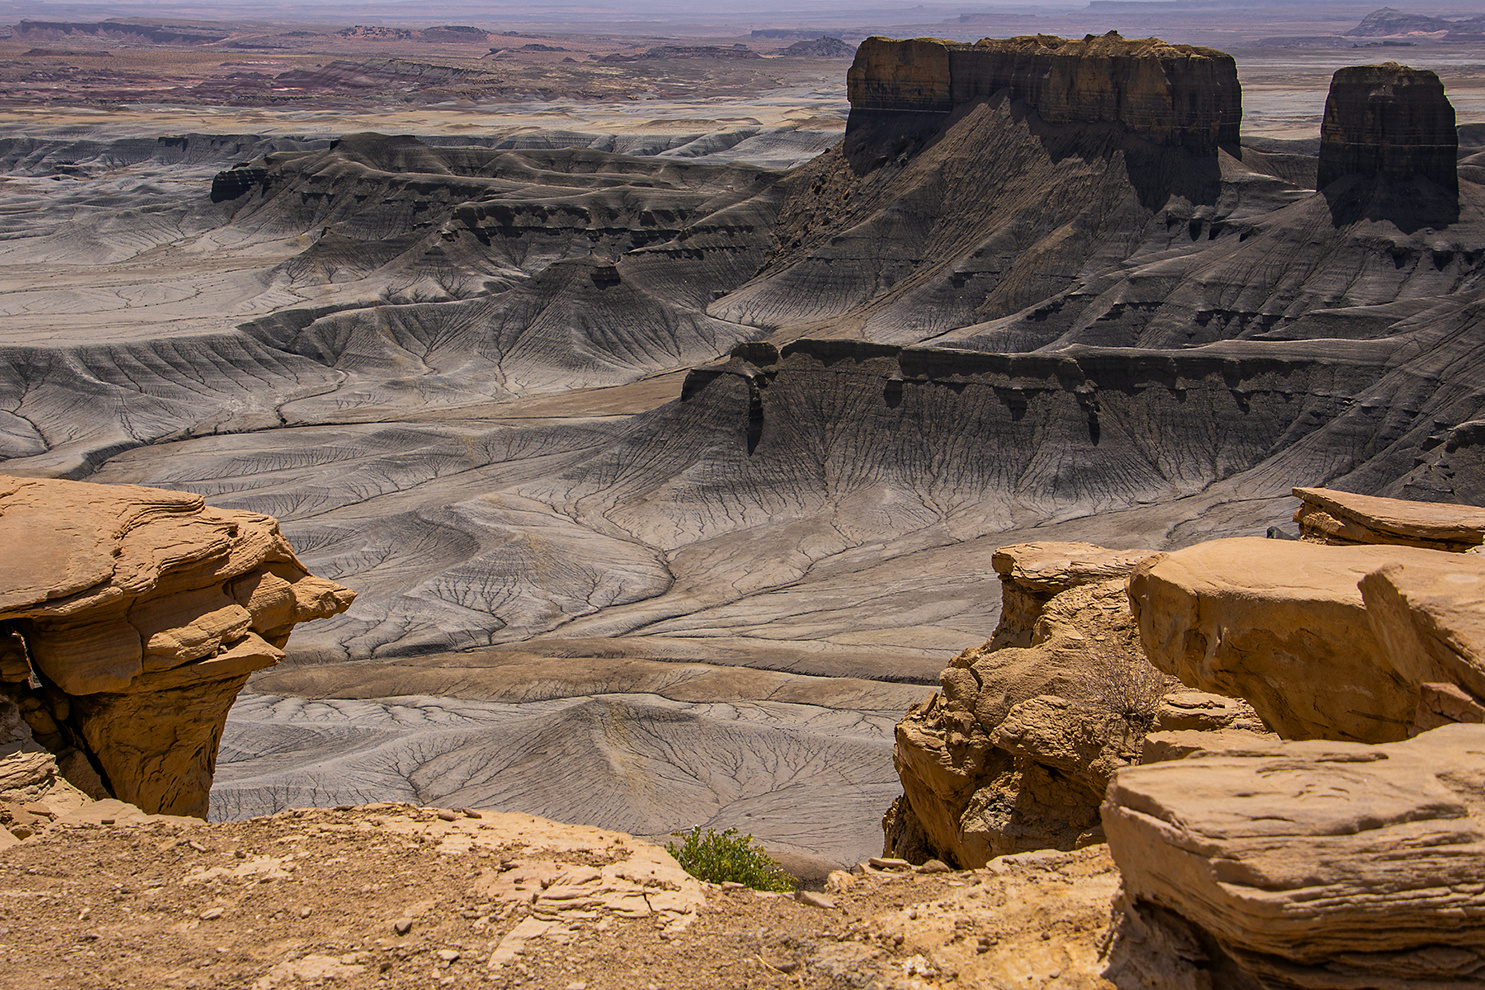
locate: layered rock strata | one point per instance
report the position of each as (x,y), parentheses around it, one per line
(1431,622)
(33,788)
(238,181)
(1388,121)
(1331,642)
(131,617)
(1180,95)
(1311,864)
(1345,518)
(1015,752)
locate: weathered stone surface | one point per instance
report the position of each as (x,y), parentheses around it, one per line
(1314,864)
(901,75)
(1032,574)
(1388,121)
(1194,721)
(1283,625)
(34,790)
(1197,711)
(237,181)
(1181,743)
(1170,94)
(1429,618)
(1346,518)
(132,621)
(1014,754)
(1443,704)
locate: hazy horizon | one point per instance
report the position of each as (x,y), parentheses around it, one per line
(653,15)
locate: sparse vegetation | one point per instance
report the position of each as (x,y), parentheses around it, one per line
(720,857)
(1131,688)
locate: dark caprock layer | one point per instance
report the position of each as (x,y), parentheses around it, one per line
(1178,95)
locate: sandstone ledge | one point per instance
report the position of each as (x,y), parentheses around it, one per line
(1317,864)
(1284,625)
(1345,518)
(132,619)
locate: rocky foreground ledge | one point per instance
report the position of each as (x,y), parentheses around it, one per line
(402,896)
(1237,854)
(1285,737)
(1315,863)
(129,620)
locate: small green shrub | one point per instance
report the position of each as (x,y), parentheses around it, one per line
(727,856)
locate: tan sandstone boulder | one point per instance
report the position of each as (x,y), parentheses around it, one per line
(131,617)
(1032,574)
(1312,864)
(1283,625)
(1430,622)
(1343,518)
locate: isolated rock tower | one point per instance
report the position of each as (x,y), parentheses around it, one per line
(1388,121)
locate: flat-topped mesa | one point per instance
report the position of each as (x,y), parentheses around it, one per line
(1179,95)
(1388,121)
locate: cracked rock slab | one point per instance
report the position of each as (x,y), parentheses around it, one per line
(1316,864)
(1344,518)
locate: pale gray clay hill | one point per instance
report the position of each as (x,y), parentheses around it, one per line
(671,480)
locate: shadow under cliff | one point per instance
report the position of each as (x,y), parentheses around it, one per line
(1410,205)
(1155,171)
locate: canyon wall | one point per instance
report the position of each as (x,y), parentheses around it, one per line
(1180,95)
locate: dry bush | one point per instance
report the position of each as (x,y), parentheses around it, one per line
(1130,687)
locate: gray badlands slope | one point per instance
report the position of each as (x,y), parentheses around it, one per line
(489,390)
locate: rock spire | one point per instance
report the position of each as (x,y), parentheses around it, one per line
(1388,121)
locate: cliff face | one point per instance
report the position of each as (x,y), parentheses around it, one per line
(1388,121)
(1178,95)
(131,619)
(1017,750)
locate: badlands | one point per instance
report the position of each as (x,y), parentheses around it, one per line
(640,470)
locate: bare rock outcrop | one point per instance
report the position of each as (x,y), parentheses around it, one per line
(1179,95)
(1195,722)
(238,181)
(1431,622)
(131,617)
(1330,642)
(1388,121)
(33,789)
(1345,518)
(1310,864)
(1032,574)
(1015,752)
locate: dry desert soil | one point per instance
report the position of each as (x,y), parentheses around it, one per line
(397,896)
